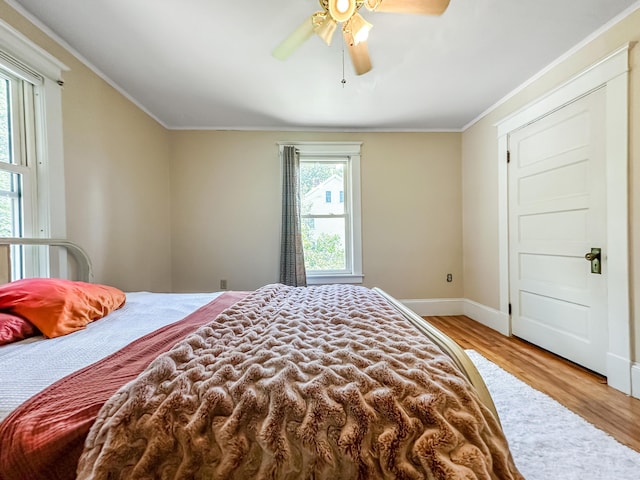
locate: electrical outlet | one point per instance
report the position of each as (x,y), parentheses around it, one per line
(223,284)
(449,278)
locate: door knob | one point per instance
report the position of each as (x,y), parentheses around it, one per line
(594,257)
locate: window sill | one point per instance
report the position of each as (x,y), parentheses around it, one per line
(330,279)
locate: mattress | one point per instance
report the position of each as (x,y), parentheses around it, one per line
(31,365)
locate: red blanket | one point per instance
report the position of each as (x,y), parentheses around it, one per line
(44,437)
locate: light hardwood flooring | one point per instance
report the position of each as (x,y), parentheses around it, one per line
(582,391)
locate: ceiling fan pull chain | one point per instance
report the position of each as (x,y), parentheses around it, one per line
(344,80)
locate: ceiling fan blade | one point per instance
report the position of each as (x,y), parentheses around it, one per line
(293,41)
(359,56)
(425,7)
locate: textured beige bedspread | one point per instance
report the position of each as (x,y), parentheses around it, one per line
(299,383)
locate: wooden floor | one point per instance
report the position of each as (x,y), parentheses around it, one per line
(580,390)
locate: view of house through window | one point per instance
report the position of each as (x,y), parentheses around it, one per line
(325,226)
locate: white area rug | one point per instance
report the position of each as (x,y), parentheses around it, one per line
(548,441)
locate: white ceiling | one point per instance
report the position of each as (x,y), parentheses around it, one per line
(207,63)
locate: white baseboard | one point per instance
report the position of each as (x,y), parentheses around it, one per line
(459,306)
(618,369)
(435,307)
(488,316)
(635,380)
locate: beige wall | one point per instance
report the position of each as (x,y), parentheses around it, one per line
(480,168)
(116,175)
(226,209)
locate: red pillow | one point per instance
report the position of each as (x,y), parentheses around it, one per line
(58,307)
(14,328)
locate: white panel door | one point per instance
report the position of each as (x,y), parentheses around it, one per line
(557,214)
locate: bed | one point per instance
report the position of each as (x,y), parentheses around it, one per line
(280,383)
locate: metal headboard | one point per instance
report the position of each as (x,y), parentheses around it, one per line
(85,270)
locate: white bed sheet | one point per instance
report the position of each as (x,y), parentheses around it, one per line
(29,366)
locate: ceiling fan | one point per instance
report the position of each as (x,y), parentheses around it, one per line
(355,29)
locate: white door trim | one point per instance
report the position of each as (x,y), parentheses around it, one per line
(612,74)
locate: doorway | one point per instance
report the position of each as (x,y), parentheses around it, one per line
(611,76)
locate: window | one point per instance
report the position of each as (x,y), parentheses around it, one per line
(331,232)
(17,175)
(31,167)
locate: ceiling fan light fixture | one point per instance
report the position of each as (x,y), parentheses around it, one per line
(342,5)
(342,10)
(324,26)
(357,29)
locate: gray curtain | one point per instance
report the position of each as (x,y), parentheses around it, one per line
(292,270)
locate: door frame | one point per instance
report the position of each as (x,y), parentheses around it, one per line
(611,73)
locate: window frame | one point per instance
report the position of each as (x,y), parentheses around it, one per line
(351,153)
(22,146)
(22,151)
(42,139)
